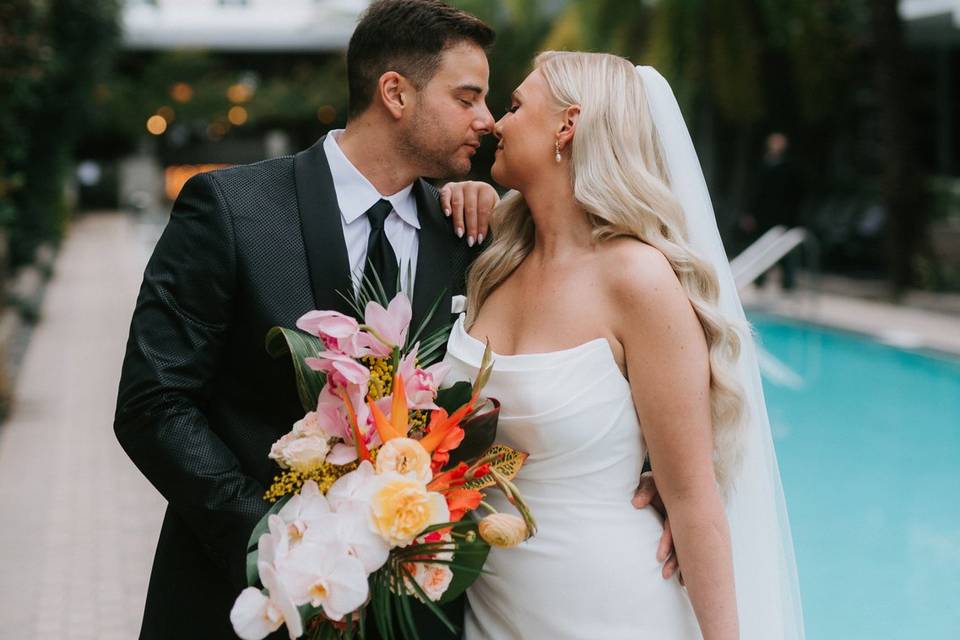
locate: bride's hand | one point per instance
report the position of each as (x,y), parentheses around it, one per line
(647,495)
(470,204)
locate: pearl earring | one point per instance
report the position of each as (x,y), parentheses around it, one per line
(557,148)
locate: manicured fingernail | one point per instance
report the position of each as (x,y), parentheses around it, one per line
(470,241)
(480,239)
(459,232)
(446,212)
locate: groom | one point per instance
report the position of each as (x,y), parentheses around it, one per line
(251,247)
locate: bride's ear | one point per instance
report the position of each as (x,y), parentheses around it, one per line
(571,115)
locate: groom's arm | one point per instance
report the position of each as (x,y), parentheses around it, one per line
(177,336)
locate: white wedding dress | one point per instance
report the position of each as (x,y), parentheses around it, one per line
(591,570)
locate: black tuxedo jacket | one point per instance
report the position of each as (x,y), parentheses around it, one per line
(200,401)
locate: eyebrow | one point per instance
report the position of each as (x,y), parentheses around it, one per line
(470,87)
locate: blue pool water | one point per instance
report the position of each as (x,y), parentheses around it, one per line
(869,450)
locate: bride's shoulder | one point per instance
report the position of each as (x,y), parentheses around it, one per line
(635,268)
(646,300)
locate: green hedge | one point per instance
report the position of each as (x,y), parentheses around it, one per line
(53,56)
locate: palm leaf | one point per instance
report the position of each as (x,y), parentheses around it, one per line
(430,604)
(411,340)
(281,341)
(429,351)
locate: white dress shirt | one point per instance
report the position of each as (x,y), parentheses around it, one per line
(356,195)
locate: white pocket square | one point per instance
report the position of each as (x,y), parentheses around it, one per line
(458,304)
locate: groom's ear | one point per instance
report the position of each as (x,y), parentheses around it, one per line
(571,115)
(394,92)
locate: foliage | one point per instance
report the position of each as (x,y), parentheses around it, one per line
(52,57)
(275,91)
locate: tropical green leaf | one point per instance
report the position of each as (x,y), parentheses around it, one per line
(281,341)
(452,398)
(469,554)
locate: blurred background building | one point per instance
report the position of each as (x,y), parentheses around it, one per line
(836,118)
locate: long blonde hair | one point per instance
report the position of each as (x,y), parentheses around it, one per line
(620,180)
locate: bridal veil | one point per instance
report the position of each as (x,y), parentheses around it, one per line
(768,596)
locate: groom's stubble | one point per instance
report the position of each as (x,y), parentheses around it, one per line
(427,144)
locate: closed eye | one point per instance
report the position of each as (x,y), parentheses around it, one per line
(513,108)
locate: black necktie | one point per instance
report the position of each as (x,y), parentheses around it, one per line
(380,255)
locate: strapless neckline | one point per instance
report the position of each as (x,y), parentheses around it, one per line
(475,347)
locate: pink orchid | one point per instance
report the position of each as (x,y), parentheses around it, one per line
(340,369)
(421,384)
(338,332)
(331,420)
(388,325)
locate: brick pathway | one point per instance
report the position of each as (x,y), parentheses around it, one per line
(79,522)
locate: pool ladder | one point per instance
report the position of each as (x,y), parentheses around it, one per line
(759,258)
(769,249)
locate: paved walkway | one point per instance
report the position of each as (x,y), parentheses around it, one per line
(80,522)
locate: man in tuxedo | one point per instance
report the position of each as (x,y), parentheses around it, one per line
(252,247)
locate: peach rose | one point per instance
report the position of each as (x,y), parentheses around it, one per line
(401,508)
(407,457)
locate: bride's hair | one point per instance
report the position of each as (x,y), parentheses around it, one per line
(620,179)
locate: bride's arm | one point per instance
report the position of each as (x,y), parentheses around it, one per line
(667,362)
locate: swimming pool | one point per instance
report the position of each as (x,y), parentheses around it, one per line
(868,438)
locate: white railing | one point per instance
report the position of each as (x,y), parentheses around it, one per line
(769,249)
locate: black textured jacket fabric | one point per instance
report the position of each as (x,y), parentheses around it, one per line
(200,401)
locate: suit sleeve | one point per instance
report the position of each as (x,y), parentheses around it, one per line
(177,335)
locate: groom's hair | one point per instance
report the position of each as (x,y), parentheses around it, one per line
(409,37)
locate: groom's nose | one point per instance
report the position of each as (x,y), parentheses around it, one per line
(484,122)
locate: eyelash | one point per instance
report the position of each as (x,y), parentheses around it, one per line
(466,103)
(513,108)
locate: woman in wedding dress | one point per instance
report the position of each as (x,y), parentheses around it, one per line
(617,335)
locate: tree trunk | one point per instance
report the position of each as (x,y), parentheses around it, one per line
(901,182)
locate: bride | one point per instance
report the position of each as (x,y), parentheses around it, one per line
(618,334)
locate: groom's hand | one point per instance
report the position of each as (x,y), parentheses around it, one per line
(647,495)
(470,204)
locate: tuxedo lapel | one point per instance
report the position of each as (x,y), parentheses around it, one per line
(434,260)
(320,221)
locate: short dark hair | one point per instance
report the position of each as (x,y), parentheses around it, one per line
(409,37)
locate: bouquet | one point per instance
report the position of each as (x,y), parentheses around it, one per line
(381,482)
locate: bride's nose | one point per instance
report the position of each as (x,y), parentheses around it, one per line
(498,130)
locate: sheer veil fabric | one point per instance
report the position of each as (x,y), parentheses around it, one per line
(768,595)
